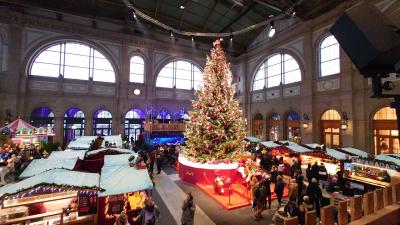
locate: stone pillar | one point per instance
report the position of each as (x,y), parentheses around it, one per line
(327,217)
(388,195)
(88,126)
(356,208)
(58,130)
(378,199)
(368,201)
(311,218)
(342,213)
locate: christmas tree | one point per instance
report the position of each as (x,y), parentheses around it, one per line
(216,129)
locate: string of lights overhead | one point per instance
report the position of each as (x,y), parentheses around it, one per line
(270,21)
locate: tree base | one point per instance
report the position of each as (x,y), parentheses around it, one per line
(205,173)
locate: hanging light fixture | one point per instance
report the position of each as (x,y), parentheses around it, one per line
(271,30)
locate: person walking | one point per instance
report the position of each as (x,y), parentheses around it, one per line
(159,159)
(314,192)
(260,200)
(267,183)
(293,190)
(279,187)
(188,210)
(150,213)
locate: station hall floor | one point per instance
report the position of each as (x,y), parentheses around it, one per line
(169,194)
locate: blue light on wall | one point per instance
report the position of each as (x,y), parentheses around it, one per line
(166,140)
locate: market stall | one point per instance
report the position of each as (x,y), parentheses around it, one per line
(114,141)
(252,139)
(125,189)
(100,153)
(51,197)
(330,158)
(82,142)
(367,174)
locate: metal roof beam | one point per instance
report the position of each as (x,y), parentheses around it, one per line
(242,13)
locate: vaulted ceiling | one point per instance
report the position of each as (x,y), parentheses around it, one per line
(194,15)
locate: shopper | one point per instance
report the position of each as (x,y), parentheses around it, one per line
(279,187)
(188,210)
(267,190)
(150,213)
(122,219)
(314,192)
(293,190)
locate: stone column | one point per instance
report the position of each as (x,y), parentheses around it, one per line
(58,130)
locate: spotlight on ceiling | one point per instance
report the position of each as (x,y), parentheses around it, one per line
(271,31)
(172,34)
(231,37)
(293,13)
(134,15)
(182,7)
(221,39)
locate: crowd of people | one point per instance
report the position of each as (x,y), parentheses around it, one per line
(14,158)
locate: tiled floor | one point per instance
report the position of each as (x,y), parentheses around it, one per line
(171,191)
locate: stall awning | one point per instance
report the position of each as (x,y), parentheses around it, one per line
(118,160)
(67,154)
(269,144)
(123,179)
(112,139)
(295,147)
(19,124)
(252,139)
(355,151)
(82,142)
(389,158)
(336,154)
(38,166)
(55,177)
(121,150)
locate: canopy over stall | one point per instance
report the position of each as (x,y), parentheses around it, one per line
(295,147)
(38,166)
(119,179)
(355,151)
(62,155)
(394,158)
(82,142)
(22,132)
(270,144)
(252,139)
(59,177)
(117,160)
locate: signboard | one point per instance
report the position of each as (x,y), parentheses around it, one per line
(39,198)
(115,204)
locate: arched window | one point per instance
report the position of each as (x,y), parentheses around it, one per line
(185,116)
(164,116)
(73,60)
(74,124)
(386,133)
(134,119)
(258,126)
(293,127)
(330,126)
(329,56)
(181,75)
(136,70)
(43,117)
(276,70)
(273,127)
(102,121)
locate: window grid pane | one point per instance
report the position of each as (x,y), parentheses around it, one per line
(181,75)
(329,57)
(136,70)
(73,60)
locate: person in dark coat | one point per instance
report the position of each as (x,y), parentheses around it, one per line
(309,173)
(301,190)
(188,210)
(260,199)
(267,183)
(315,171)
(279,187)
(314,192)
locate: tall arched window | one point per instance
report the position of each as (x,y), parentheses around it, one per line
(134,119)
(164,116)
(330,126)
(276,70)
(258,126)
(43,117)
(386,133)
(73,60)
(136,70)
(293,127)
(102,121)
(273,127)
(329,56)
(181,75)
(74,124)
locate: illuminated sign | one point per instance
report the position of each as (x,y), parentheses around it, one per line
(38,198)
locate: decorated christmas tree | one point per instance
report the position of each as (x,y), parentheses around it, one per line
(216,129)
